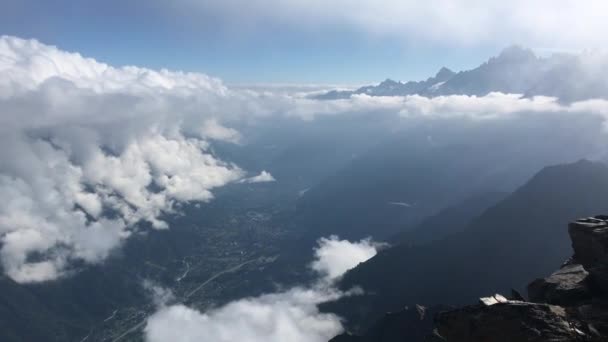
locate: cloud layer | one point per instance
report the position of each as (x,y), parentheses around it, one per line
(292,315)
(540,23)
(92,152)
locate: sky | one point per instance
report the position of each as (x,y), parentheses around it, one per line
(327,42)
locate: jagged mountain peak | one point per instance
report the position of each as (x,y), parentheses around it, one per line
(515,54)
(444,74)
(389,82)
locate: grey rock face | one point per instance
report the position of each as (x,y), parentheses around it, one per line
(566,286)
(590,243)
(590,240)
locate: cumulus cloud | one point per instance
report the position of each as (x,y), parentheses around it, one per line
(91,150)
(292,315)
(540,23)
(333,257)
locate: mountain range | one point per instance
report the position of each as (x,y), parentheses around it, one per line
(515,70)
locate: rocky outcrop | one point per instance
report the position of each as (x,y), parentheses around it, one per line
(569,305)
(567,286)
(508,322)
(590,244)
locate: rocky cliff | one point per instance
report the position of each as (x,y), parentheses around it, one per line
(569,305)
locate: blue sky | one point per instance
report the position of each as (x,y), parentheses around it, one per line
(276,42)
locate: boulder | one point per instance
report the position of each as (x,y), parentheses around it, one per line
(567,286)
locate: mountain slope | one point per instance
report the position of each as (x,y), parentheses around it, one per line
(427,168)
(450,220)
(520,238)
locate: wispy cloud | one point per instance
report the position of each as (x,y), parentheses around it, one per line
(263,177)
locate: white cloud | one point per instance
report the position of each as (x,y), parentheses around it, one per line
(292,315)
(491,105)
(540,23)
(263,177)
(333,257)
(27,64)
(289,316)
(83,139)
(212,129)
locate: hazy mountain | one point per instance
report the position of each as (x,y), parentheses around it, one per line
(520,238)
(450,220)
(394,88)
(515,70)
(427,168)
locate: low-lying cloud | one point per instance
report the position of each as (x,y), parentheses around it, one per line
(263,177)
(292,315)
(333,257)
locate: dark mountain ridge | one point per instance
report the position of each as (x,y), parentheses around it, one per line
(516,240)
(425,168)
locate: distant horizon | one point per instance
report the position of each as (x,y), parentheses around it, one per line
(335,84)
